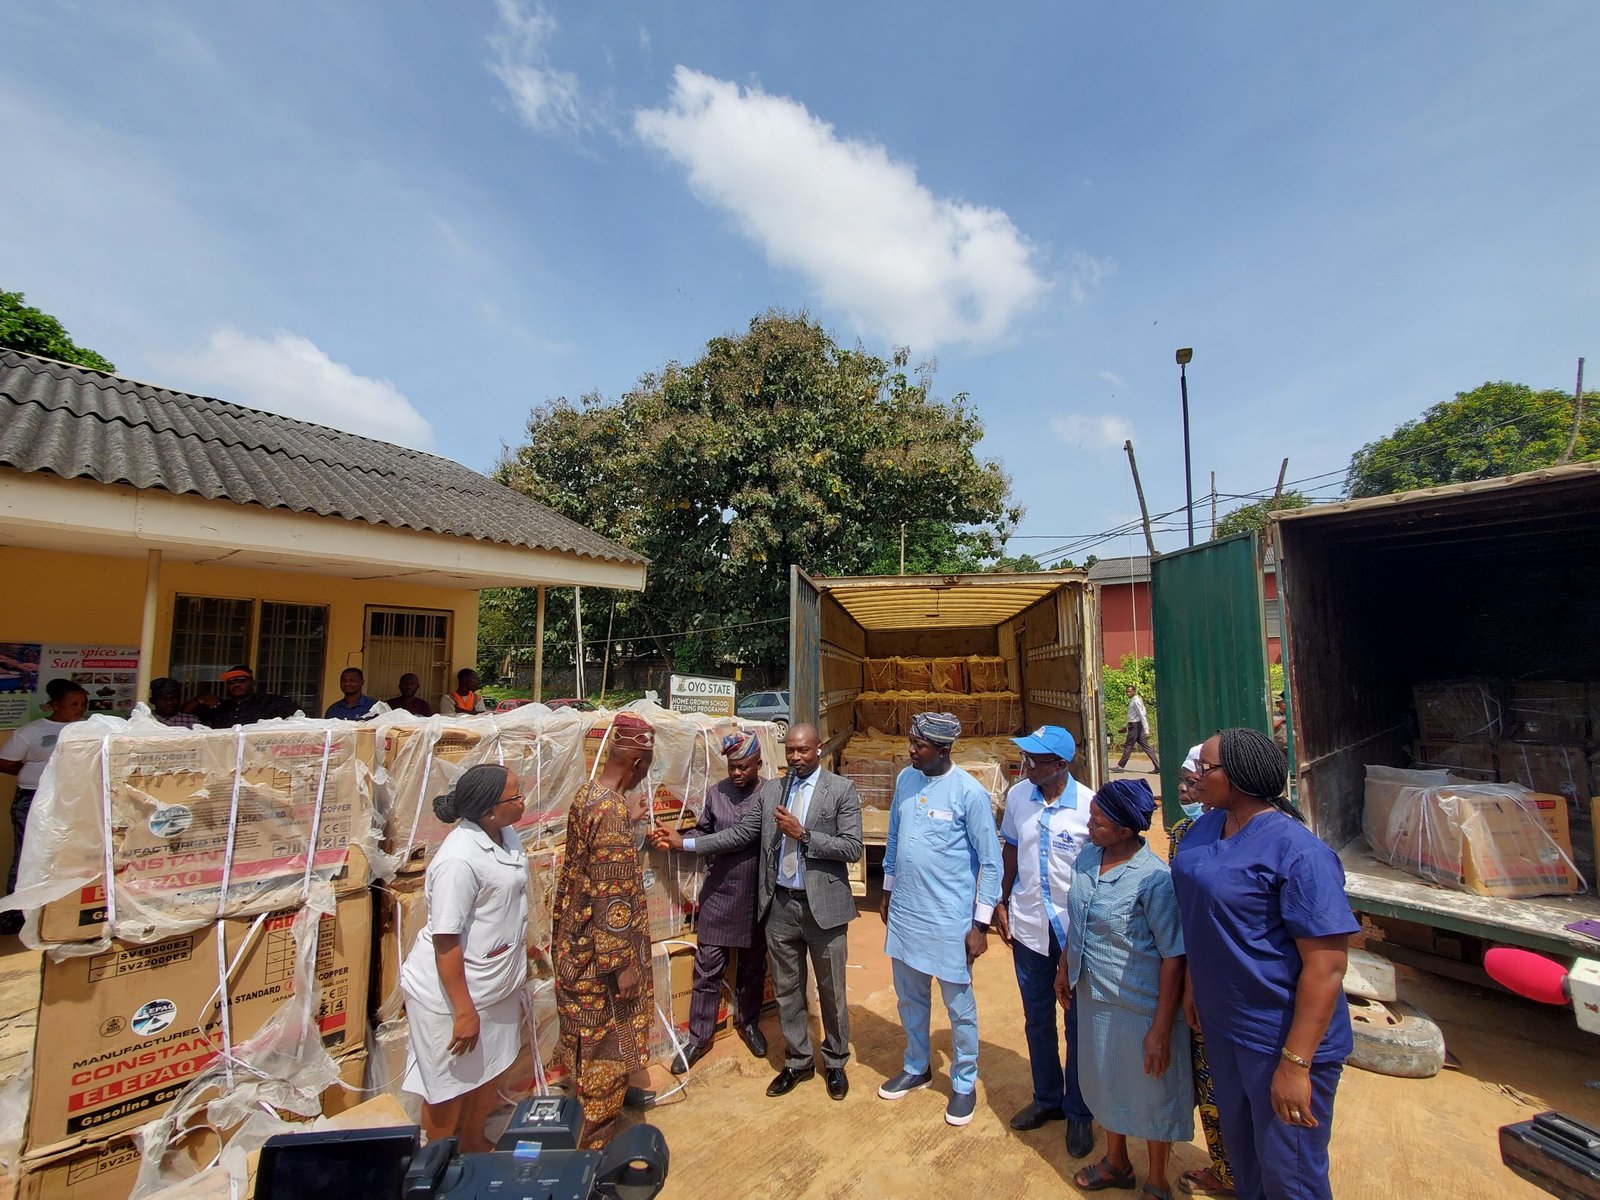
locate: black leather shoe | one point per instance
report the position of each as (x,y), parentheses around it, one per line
(692,1053)
(838,1083)
(788,1079)
(1080,1138)
(638,1097)
(1035,1115)
(755,1041)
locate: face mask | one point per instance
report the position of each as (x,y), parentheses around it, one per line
(1193,810)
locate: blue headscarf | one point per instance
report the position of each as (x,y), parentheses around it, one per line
(1127,802)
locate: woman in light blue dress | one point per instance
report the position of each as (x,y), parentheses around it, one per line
(1122,975)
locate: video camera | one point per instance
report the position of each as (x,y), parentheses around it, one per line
(536,1158)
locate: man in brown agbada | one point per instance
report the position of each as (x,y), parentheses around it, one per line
(605,991)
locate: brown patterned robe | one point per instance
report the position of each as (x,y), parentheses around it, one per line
(601,927)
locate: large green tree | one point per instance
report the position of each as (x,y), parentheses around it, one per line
(1496,429)
(1254,515)
(25,328)
(775,446)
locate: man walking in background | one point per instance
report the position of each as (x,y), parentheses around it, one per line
(1138,732)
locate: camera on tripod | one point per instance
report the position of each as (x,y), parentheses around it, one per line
(536,1158)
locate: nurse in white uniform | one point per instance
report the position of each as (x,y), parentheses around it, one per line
(463,978)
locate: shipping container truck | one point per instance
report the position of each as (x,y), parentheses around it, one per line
(1045,626)
(1496,580)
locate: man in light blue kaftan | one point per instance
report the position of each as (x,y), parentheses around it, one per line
(941,882)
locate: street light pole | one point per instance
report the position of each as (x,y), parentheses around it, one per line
(1184,356)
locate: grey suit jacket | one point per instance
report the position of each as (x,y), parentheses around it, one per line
(834,822)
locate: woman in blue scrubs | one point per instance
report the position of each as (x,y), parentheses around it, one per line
(1265,926)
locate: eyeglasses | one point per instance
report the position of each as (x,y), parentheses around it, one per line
(1030,761)
(519,798)
(1206,769)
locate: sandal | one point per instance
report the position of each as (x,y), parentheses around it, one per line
(1151,1189)
(1102,1176)
(1193,1183)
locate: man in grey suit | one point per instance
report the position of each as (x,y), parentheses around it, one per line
(808,826)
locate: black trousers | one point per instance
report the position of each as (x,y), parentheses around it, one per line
(1136,737)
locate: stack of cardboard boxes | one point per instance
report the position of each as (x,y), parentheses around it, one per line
(215,839)
(972,689)
(208,836)
(1537,734)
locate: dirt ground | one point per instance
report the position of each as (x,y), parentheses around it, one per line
(1418,1139)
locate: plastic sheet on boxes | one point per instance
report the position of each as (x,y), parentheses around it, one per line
(283,1066)
(877,711)
(1547,712)
(190,825)
(1543,767)
(913,674)
(1486,838)
(1466,710)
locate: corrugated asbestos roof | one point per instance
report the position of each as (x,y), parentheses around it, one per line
(1133,569)
(83,424)
(942,601)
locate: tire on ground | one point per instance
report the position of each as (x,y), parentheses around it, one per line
(1394,1039)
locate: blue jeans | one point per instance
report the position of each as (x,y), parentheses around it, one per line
(1270,1160)
(915,993)
(1042,1018)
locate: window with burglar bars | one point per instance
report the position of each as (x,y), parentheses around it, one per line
(285,644)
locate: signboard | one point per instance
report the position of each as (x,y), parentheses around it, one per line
(697,693)
(108,674)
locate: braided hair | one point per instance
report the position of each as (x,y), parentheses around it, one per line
(1256,767)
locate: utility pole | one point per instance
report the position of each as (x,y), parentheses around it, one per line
(605,663)
(1277,492)
(1184,357)
(1144,513)
(577,613)
(1577,416)
(1213,505)
(538,648)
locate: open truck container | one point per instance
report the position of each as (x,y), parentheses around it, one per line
(1046,625)
(1498,578)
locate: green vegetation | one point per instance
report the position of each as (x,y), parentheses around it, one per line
(34,332)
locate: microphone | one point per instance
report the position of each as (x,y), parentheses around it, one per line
(1528,974)
(1538,978)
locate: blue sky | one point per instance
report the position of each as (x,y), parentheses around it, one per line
(418,219)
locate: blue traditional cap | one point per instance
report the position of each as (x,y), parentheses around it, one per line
(942,729)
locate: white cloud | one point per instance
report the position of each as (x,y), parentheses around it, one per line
(546,99)
(1086,272)
(1113,379)
(869,238)
(289,375)
(1106,431)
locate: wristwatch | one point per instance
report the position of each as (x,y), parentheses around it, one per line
(804,841)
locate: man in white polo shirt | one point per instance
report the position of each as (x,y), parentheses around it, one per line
(1046,824)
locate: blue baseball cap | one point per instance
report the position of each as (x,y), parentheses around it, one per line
(1049,739)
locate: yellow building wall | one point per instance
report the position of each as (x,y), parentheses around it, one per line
(47,596)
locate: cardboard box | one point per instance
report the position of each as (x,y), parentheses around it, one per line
(108,1169)
(1492,839)
(174,796)
(1473,761)
(671,890)
(122,1032)
(1542,767)
(1547,712)
(1466,710)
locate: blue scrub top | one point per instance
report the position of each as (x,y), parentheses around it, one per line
(1243,901)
